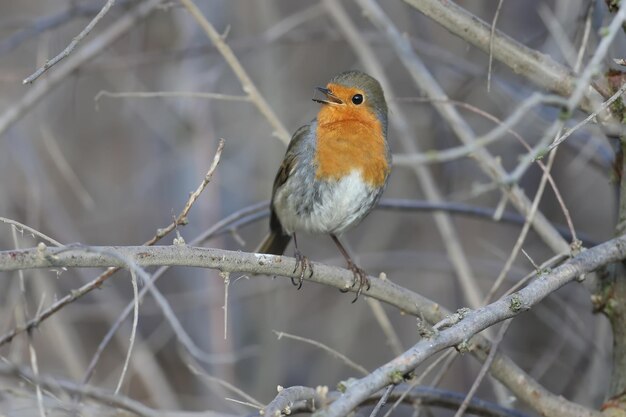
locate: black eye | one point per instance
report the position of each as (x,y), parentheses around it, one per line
(357,99)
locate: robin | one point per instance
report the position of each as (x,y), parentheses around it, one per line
(334,171)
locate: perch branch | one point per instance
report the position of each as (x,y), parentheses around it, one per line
(587,261)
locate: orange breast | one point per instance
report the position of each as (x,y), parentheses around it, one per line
(349,139)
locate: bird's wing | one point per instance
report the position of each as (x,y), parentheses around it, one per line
(290,157)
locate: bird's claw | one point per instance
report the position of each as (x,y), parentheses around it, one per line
(360,277)
(303,263)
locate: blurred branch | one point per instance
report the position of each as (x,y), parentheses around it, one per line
(583,81)
(72,45)
(593,115)
(34,233)
(90,50)
(491,36)
(446,228)
(610,294)
(200,373)
(479,142)
(66,170)
(46,23)
(181,219)
(503,126)
(483,370)
(169,94)
(425,81)
(258,211)
(384,290)
(338,355)
(535,66)
(425,395)
(102,396)
(246,83)
(525,229)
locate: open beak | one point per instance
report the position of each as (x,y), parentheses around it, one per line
(329,97)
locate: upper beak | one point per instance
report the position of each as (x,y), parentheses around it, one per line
(330,97)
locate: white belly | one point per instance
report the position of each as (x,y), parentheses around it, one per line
(325,207)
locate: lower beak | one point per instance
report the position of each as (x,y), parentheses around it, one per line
(330,97)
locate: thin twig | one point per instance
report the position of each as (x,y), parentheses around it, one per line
(22,227)
(429,84)
(133,332)
(169,94)
(451,153)
(568,132)
(53,21)
(418,379)
(492,35)
(525,229)
(445,226)
(503,126)
(195,369)
(181,219)
(393,340)
(219,226)
(558,34)
(89,51)
(97,282)
(226,277)
(24,316)
(327,348)
(246,403)
(537,67)
(383,400)
(99,395)
(246,83)
(585,40)
(65,169)
(483,370)
(68,50)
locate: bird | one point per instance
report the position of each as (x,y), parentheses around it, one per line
(334,170)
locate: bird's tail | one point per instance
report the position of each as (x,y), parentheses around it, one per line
(274,243)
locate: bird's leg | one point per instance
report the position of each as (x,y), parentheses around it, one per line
(359,275)
(303,263)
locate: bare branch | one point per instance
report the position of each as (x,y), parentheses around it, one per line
(34,95)
(246,83)
(425,80)
(169,94)
(593,115)
(97,282)
(326,348)
(425,178)
(68,50)
(491,36)
(537,67)
(383,290)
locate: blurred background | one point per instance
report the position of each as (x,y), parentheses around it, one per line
(112,171)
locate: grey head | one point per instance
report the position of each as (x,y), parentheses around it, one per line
(375,97)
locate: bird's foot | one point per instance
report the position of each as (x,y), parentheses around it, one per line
(303,263)
(360,278)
